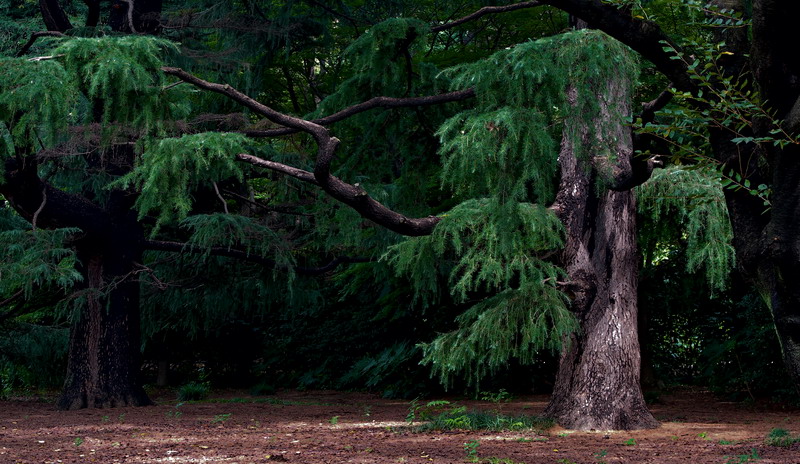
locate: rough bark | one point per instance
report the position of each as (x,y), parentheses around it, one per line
(597,386)
(104,357)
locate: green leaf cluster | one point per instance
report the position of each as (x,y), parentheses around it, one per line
(36,98)
(691,199)
(31,260)
(123,74)
(508,143)
(171,169)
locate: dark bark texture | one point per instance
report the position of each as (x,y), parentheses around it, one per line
(104,357)
(597,386)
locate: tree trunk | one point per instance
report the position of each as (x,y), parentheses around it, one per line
(104,347)
(597,386)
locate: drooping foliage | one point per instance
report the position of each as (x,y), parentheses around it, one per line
(688,202)
(172,168)
(501,157)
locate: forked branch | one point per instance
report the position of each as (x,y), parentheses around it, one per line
(350,194)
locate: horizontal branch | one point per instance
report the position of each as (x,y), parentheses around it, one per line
(178,247)
(372,103)
(485,11)
(297,173)
(350,194)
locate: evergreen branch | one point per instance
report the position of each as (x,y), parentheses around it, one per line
(318,132)
(372,103)
(352,195)
(643,36)
(35,36)
(485,11)
(179,247)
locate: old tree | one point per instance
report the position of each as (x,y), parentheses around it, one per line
(136,145)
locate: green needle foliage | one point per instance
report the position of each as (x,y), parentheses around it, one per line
(124,73)
(690,200)
(33,260)
(171,169)
(502,156)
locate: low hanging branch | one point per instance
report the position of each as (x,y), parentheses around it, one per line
(352,195)
(162,245)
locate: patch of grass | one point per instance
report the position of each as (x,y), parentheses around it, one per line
(460,419)
(629,442)
(78,441)
(600,456)
(782,438)
(194,391)
(219,418)
(752,456)
(334,420)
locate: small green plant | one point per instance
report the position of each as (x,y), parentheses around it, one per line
(781,437)
(104,419)
(600,456)
(471,449)
(566,461)
(629,442)
(752,456)
(524,439)
(78,441)
(194,391)
(334,420)
(174,414)
(121,417)
(501,396)
(219,418)
(418,412)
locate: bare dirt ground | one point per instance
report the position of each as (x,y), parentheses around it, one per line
(335,427)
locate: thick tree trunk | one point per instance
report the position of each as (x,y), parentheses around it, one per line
(597,386)
(104,349)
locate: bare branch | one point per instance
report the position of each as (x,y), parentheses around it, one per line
(305,176)
(649,108)
(372,103)
(39,210)
(349,194)
(485,11)
(35,36)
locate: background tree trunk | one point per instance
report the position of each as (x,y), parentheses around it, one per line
(104,347)
(597,386)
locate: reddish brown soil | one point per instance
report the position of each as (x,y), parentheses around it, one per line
(332,427)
